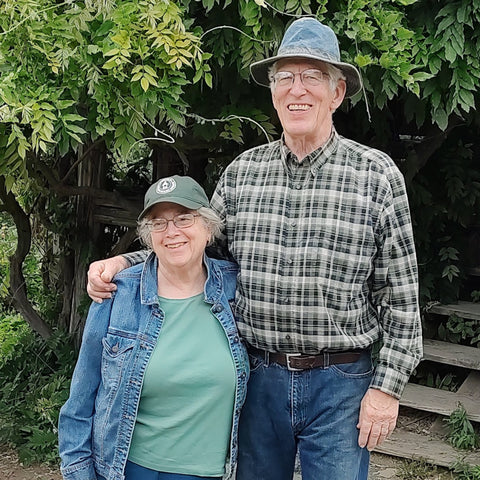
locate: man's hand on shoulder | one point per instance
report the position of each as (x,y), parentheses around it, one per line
(100,274)
(378,417)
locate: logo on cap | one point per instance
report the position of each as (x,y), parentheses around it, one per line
(166,186)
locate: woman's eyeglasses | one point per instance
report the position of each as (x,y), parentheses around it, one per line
(183,220)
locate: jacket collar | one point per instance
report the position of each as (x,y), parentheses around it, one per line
(149,282)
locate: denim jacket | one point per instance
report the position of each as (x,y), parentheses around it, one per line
(97,421)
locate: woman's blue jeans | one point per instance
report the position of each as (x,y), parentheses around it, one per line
(137,472)
(314,412)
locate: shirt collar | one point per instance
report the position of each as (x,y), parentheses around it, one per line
(315,159)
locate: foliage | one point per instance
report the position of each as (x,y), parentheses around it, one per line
(7,240)
(74,72)
(444,200)
(439,376)
(466,472)
(459,330)
(462,434)
(416,470)
(35,381)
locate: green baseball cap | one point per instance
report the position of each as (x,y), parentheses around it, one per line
(178,189)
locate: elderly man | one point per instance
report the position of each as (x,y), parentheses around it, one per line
(321,230)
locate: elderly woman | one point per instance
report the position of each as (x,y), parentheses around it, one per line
(162,373)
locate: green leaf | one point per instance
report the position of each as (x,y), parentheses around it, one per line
(441,118)
(422,76)
(144,83)
(75,128)
(104,28)
(72,117)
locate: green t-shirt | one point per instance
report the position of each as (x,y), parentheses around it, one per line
(186,406)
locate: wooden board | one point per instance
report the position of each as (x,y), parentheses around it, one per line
(470,388)
(416,446)
(439,401)
(467,310)
(451,354)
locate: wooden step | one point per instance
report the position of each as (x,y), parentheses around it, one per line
(417,446)
(470,388)
(467,310)
(439,401)
(451,354)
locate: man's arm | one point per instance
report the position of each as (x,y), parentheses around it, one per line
(101,272)
(395,298)
(395,292)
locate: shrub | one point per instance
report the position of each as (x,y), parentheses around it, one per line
(35,383)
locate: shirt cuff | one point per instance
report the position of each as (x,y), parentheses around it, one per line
(389,380)
(83,470)
(134,258)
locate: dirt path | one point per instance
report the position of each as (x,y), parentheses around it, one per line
(12,469)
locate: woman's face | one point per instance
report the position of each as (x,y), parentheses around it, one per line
(178,247)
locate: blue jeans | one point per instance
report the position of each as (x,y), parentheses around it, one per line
(137,472)
(313,411)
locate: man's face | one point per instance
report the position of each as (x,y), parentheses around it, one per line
(305,111)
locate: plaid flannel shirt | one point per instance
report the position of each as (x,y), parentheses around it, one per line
(326,254)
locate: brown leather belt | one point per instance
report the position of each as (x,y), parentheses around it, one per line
(299,361)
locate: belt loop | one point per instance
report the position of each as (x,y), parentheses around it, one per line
(266,358)
(326,359)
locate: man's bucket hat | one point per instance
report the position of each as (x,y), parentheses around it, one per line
(308,38)
(178,189)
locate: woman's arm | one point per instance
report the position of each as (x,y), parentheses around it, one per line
(76,415)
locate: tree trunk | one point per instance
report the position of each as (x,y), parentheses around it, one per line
(90,174)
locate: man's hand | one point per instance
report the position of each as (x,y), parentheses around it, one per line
(100,275)
(378,416)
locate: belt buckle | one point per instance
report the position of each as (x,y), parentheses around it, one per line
(289,367)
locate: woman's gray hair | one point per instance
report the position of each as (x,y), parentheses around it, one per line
(210,218)
(334,73)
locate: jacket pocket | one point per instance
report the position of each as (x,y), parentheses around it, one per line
(116,351)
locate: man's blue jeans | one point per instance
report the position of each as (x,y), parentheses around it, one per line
(315,411)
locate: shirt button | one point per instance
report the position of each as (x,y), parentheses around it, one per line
(218,308)
(115,348)
(288,337)
(289,261)
(298,186)
(286,300)
(293,224)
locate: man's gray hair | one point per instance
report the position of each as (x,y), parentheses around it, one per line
(210,218)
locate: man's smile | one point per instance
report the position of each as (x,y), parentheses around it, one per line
(298,106)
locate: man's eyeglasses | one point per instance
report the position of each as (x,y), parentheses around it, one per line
(310,78)
(183,220)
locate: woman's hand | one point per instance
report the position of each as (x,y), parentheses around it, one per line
(100,274)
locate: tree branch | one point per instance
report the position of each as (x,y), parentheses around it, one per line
(17,288)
